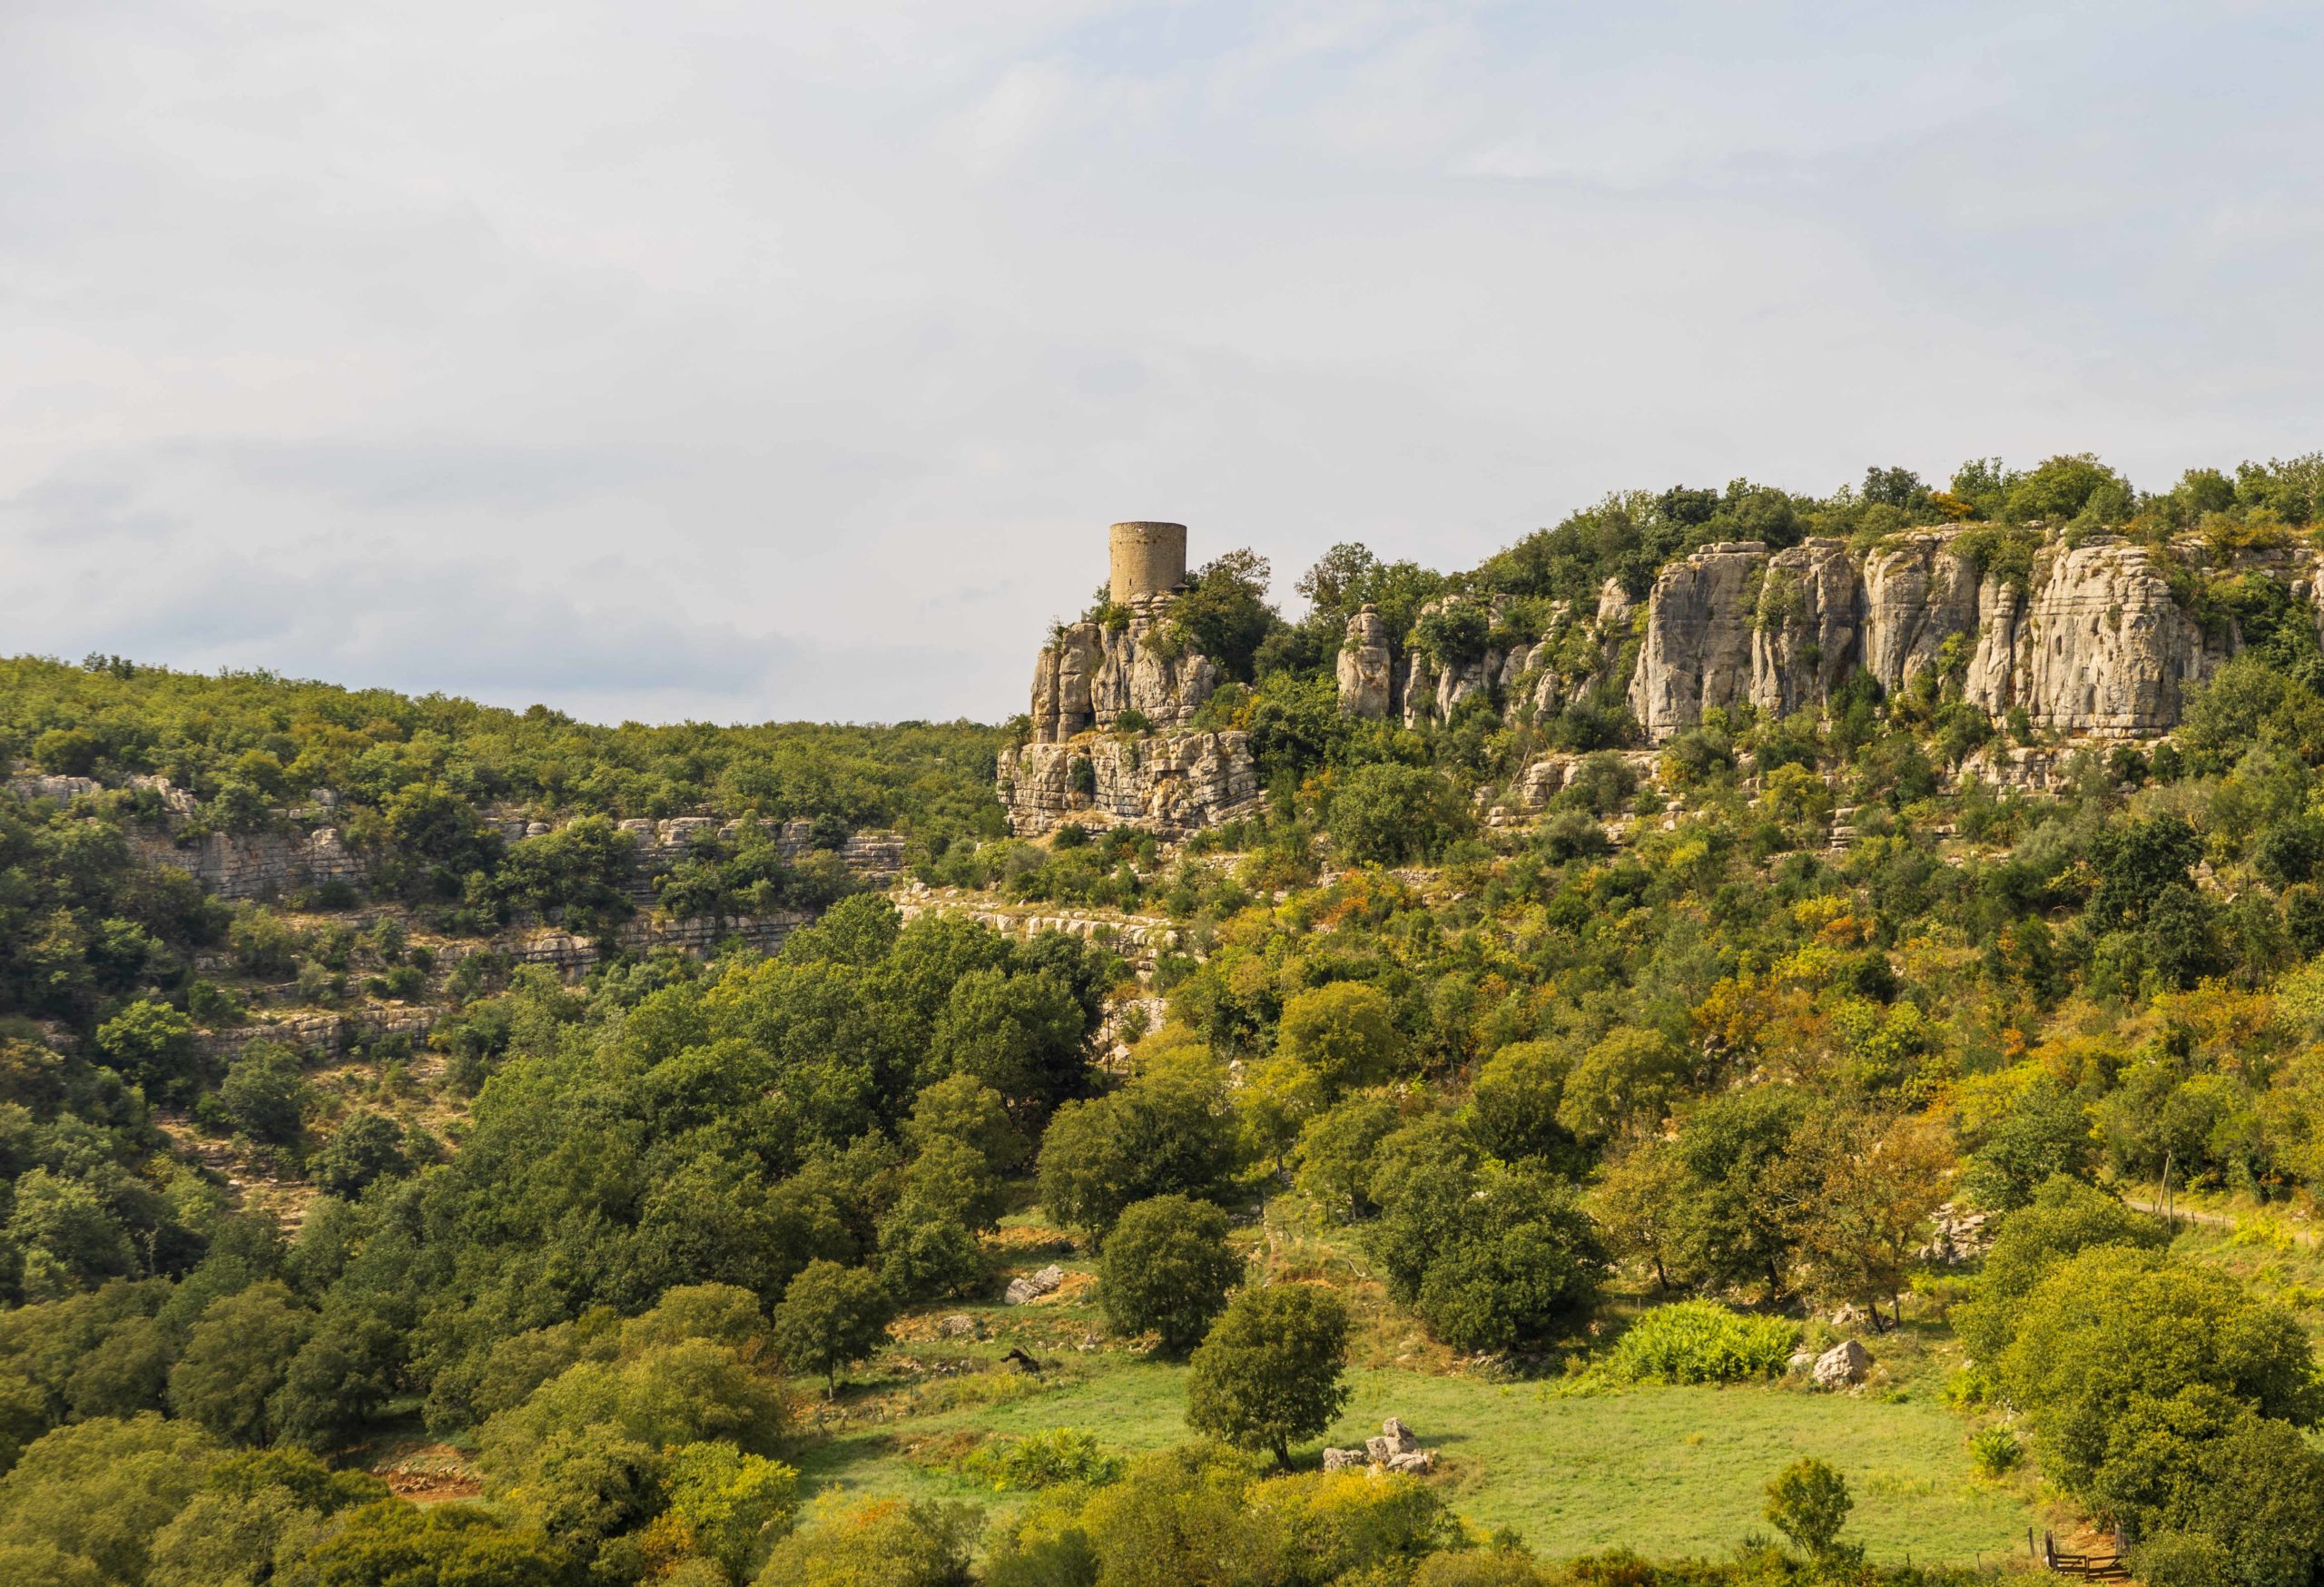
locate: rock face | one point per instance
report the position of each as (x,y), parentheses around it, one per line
(1916,595)
(1577,652)
(1697,648)
(1165,777)
(2105,649)
(1169,783)
(1367,667)
(2097,647)
(1088,674)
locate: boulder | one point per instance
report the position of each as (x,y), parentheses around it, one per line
(959,1325)
(1033,1286)
(1401,1439)
(1802,1363)
(1338,1460)
(1418,1462)
(1844,1364)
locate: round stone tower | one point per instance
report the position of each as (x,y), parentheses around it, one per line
(1149,559)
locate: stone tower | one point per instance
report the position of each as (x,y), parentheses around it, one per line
(1149,559)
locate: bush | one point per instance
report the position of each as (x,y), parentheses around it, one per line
(1808,1502)
(1700,1341)
(1995,1452)
(1045,1459)
(882,1540)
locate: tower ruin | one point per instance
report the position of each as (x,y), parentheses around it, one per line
(1149,559)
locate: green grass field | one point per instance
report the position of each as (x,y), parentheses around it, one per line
(1665,1471)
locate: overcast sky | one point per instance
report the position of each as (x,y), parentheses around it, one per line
(789,359)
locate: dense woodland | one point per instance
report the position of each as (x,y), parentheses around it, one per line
(1639,1093)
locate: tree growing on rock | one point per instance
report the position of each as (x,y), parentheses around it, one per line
(1270,1372)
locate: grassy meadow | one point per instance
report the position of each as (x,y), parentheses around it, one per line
(1665,1470)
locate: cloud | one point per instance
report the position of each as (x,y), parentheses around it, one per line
(719,363)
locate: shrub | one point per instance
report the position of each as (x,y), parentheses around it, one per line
(1808,1502)
(1700,1341)
(1045,1459)
(1995,1452)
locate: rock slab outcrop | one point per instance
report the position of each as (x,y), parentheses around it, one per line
(2095,644)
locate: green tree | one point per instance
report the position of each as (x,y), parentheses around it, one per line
(1344,1033)
(392,1543)
(1169,1131)
(1730,1226)
(100,1491)
(366,1148)
(1388,815)
(1514,1100)
(729,1502)
(963,1107)
(1020,1034)
(829,1317)
(1226,614)
(1808,1502)
(1270,1372)
(152,1044)
(1491,1261)
(1167,1267)
(1338,1154)
(2112,1324)
(265,1093)
(2065,1219)
(238,1355)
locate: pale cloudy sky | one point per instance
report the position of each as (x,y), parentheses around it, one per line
(789,359)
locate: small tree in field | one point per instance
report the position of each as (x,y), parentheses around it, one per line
(1269,1371)
(1808,1502)
(1167,1267)
(830,1315)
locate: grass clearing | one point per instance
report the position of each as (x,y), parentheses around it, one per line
(1665,1470)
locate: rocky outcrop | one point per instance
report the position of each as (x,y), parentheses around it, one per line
(1576,652)
(2096,645)
(1170,783)
(1917,595)
(1395,1448)
(1805,633)
(1697,650)
(1089,674)
(266,864)
(2106,650)
(1367,667)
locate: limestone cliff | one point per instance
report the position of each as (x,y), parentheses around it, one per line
(1162,777)
(1577,651)
(1169,783)
(2095,645)
(1090,673)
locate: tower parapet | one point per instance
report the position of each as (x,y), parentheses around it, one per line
(1149,559)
